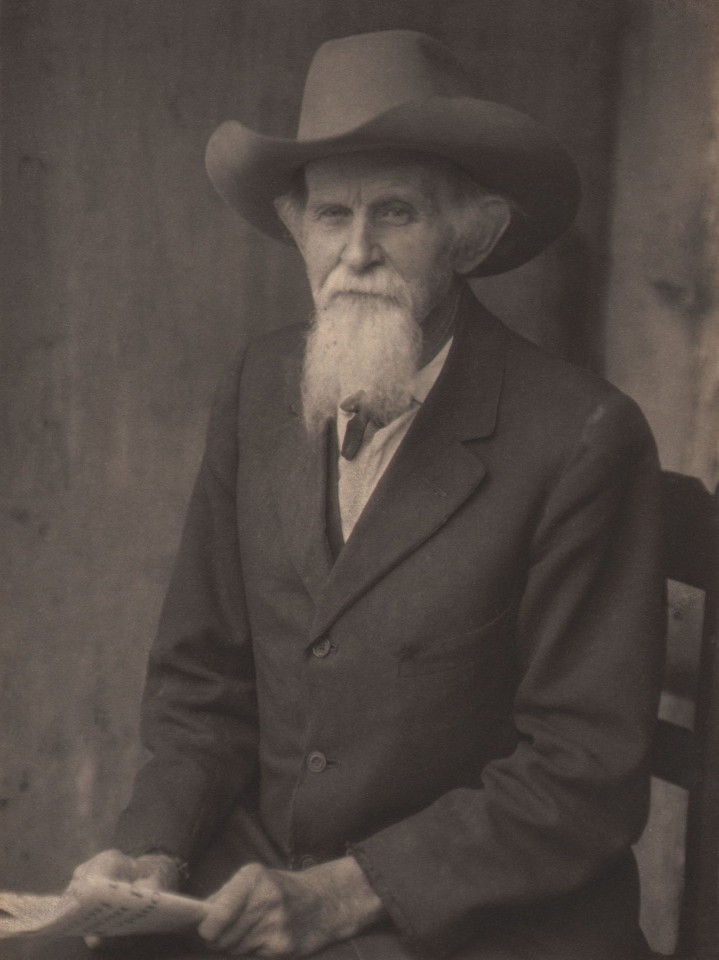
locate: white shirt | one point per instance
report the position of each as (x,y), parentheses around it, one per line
(358,477)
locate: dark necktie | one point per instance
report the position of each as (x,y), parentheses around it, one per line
(356,426)
(354,434)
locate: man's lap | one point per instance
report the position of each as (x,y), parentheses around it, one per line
(598,923)
(595,924)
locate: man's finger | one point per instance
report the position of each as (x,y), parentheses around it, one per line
(109,863)
(152,883)
(228,907)
(244,936)
(159,869)
(220,917)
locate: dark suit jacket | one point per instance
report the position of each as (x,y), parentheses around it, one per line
(476,727)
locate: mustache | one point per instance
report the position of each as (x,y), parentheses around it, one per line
(383,286)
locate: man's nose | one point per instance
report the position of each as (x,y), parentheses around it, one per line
(361,249)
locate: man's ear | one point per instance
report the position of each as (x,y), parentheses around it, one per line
(290,213)
(494,217)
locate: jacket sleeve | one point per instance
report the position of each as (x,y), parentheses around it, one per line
(199,716)
(572,797)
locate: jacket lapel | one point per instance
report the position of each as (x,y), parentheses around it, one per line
(299,482)
(432,473)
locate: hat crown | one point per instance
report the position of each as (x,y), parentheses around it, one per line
(403,90)
(352,80)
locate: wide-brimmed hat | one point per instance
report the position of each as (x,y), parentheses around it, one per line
(403,90)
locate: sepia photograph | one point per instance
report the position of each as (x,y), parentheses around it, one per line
(359,465)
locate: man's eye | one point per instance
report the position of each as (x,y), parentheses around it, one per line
(332,214)
(396,214)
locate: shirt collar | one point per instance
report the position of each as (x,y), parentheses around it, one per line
(425,379)
(422,383)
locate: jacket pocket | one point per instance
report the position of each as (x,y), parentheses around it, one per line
(459,652)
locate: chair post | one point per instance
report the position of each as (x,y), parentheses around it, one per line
(699,922)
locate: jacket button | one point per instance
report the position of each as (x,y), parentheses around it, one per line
(306,862)
(322,648)
(316,761)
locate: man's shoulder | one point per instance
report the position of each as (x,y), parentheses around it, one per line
(265,361)
(564,399)
(551,376)
(286,342)
(269,348)
(530,372)
(259,371)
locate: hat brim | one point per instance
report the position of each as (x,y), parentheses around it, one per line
(504,150)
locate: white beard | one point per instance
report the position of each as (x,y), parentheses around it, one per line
(364,337)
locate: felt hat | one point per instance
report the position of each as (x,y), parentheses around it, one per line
(403,90)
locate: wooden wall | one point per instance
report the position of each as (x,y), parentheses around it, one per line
(661,323)
(124,287)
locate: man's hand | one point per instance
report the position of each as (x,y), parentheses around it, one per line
(153,871)
(276,913)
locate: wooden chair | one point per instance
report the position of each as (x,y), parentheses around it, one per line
(690,758)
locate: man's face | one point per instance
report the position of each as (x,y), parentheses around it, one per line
(374,222)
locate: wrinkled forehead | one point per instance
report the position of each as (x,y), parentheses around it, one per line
(367,173)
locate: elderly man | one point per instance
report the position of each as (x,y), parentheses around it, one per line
(403,689)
